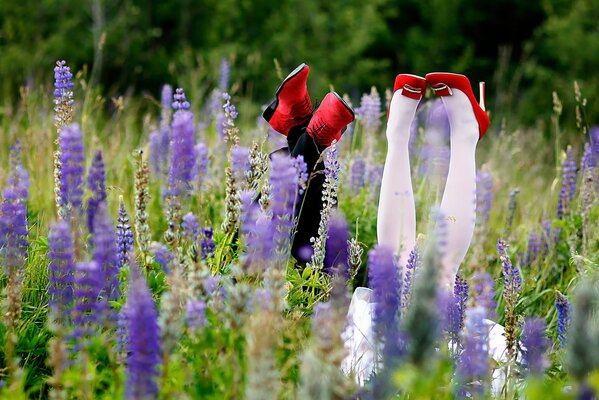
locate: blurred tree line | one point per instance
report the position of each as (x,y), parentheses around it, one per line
(524,49)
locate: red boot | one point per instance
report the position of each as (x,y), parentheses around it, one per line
(291,106)
(330,120)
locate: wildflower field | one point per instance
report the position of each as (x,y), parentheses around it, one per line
(144,246)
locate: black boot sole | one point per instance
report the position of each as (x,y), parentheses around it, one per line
(272,107)
(345,105)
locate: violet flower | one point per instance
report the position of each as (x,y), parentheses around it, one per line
(564,311)
(207,244)
(336,247)
(484,197)
(61,272)
(13,219)
(284,186)
(201,165)
(473,365)
(182,153)
(225,73)
(124,236)
(180,101)
(191,226)
(106,252)
(358,171)
(96,182)
(196,314)
(534,346)
(63,94)
(89,310)
(384,280)
(70,142)
(484,293)
(143,347)
(162,256)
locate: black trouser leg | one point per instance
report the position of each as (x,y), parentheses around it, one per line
(310,204)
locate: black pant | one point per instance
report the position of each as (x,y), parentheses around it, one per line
(308,206)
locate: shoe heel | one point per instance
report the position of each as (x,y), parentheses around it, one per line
(481,95)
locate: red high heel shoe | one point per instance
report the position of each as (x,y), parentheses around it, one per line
(444,83)
(412,86)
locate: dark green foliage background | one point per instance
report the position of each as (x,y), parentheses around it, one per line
(524,49)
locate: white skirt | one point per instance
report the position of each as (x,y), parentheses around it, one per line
(361,344)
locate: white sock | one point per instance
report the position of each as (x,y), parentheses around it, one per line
(396,219)
(459,198)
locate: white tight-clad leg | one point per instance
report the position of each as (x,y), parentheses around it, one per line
(396,219)
(459,197)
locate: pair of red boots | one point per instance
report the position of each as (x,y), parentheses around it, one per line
(444,84)
(292,107)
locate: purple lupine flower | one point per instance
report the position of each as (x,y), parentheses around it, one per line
(182,154)
(336,253)
(191,226)
(512,280)
(437,123)
(408,276)
(13,218)
(564,311)
(18,178)
(568,189)
(358,170)
(162,256)
(370,110)
(90,308)
(284,184)
(588,159)
(534,346)
(160,139)
(258,231)
(124,236)
(63,94)
(201,164)
(484,197)
(302,172)
(61,271)
(550,235)
(534,248)
(384,279)
(196,314)
(207,245)
(219,121)
(440,230)
(143,347)
(96,182)
(70,142)
(240,162)
(122,338)
(229,116)
(456,309)
(157,153)
(484,293)
(106,252)
(180,101)
(473,366)
(225,73)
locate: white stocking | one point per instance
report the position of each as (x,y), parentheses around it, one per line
(459,197)
(396,219)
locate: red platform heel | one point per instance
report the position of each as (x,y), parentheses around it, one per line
(412,86)
(443,84)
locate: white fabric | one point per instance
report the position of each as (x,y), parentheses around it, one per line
(361,343)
